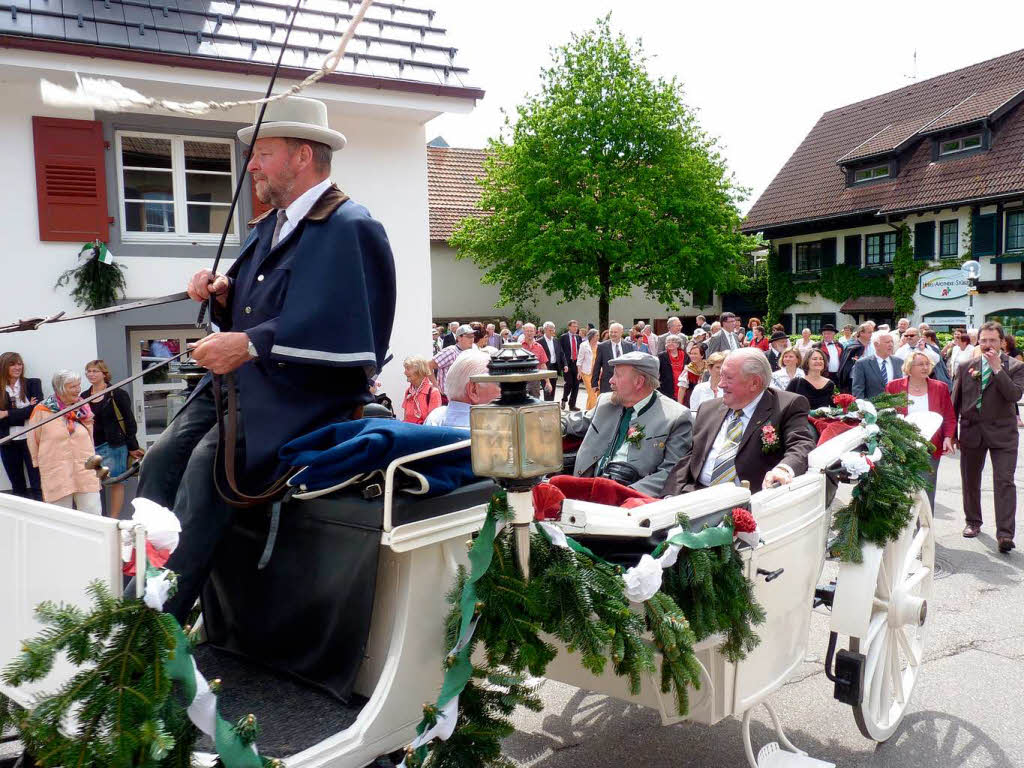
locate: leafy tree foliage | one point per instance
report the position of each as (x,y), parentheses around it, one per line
(605,181)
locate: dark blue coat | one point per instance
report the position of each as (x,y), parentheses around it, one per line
(319,309)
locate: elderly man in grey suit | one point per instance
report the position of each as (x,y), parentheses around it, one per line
(726,339)
(634,434)
(871,374)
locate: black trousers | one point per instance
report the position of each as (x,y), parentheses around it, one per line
(178,473)
(572,384)
(550,395)
(17,463)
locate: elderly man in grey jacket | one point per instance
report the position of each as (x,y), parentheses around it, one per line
(634,433)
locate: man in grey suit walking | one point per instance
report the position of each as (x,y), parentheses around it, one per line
(726,339)
(634,434)
(871,374)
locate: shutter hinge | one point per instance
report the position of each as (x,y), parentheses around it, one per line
(110,219)
(106,145)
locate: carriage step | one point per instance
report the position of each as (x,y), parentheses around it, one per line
(774,756)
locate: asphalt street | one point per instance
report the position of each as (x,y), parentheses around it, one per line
(966,710)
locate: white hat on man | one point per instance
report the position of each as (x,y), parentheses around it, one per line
(295,117)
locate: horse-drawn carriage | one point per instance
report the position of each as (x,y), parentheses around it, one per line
(377,570)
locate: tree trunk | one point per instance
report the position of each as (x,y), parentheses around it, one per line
(604,278)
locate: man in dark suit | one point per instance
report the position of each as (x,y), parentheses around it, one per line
(730,444)
(726,339)
(606,352)
(853,352)
(871,374)
(985,391)
(553,349)
(449,338)
(570,342)
(832,350)
(777,344)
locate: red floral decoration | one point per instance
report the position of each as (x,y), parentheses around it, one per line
(844,401)
(743,521)
(769,439)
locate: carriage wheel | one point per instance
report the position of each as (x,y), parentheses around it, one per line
(893,645)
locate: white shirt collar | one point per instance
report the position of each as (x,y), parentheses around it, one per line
(642,404)
(300,206)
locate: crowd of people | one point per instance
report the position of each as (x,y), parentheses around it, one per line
(690,370)
(48,462)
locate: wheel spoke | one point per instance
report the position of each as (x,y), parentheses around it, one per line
(883,589)
(916,547)
(916,578)
(880,604)
(877,623)
(913,657)
(880,673)
(896,670)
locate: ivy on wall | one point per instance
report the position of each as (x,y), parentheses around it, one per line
(904,274)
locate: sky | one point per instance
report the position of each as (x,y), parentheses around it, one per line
(760,74)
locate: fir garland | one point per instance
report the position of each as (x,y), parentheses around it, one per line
(578,598)
(880,506)
(97,283)
(122,700)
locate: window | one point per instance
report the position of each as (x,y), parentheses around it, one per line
(964,143)
(1015,231)
(851,250)
(949,234)
(868,174)
(808,256)
(174,188)
(880,249)
(813,321)
(983,235)
(924,240)
(157,395)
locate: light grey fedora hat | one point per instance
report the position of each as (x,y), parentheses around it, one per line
(295,117)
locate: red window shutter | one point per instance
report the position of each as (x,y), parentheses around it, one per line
(258,208)
(71,183)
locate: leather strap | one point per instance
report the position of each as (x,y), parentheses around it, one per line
(227,446)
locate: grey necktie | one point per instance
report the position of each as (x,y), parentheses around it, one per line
(282,217)
(616,350)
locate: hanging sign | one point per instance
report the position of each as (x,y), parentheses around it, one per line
(943,284)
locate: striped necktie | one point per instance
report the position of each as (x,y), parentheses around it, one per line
(883,367)
(725,462)
(986,372)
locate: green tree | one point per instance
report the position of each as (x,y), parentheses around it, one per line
(605,181)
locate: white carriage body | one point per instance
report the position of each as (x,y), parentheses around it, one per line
(52,553)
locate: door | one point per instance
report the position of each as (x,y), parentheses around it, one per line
(157,396)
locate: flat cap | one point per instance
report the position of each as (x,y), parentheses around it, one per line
(639,360)
(465,330)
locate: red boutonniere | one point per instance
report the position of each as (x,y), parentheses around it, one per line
(844,401)
(743,521)
(635,435)
(769,439)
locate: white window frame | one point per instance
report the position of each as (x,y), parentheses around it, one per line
(872,173)
(960,144)
(139,387)
(178,187)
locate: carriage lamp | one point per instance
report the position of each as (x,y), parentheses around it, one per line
(516,439)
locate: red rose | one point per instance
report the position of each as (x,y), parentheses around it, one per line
(743,521)
(844,401)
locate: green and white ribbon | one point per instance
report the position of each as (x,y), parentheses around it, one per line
(99,249)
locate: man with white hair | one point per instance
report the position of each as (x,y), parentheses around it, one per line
(607,351)
(553,350)
(675,326)
(462,393)
(634,435)
(872,374)
(901,328)
(751,433)
(449,339)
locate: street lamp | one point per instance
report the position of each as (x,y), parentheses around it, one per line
(516,439)
(971,270)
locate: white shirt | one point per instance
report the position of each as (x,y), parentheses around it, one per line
(620,455)
(455,414)
(917,403)
(300,207)
(802,346)
(890,366)
(701,393)
(781,379)
(731,338)
(551,347)
(957,356)
(16,400)
(585,358)
(716,447)
(616,349)
(835,351)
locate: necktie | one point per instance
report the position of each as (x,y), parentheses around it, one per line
(986,373)
(572,342)
(725,462)
(732,339)
(883,368)
(620,438)
(616,350)
(282,217)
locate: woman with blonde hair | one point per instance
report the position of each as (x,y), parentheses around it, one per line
(18,396)
(709,390)
(61,447)
(585,366)
(789,369)
(113,429)
(422,396)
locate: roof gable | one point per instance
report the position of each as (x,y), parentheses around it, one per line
(812,185)
(452,190)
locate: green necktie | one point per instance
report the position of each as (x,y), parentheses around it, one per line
(620,438)
(986,373)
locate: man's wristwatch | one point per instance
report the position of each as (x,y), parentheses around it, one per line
(253,354)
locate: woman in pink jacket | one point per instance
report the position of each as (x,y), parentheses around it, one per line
(60,449)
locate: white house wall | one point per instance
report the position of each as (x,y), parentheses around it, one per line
(383,167)
(985,303)
(458,292)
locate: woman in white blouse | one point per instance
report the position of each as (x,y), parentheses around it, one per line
(708,390)
(585,366)
(789,369)
(805,342)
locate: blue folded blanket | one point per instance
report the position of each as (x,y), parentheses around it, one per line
(340,454)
